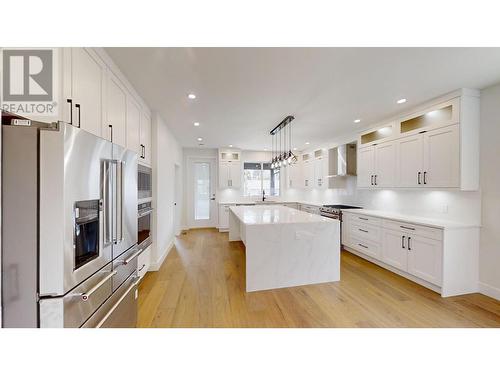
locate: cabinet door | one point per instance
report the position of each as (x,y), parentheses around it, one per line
(144,262)
(425,258)
(224,216)
(366,166)
(133,125)
(116,112)
(234,174)
(442,157)
(385,164)
(223,174)
(146,138)
(84,85)
(394,250)
(320,173)
(410,161)
(308,174)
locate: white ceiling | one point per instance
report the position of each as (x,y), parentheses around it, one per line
(242,93)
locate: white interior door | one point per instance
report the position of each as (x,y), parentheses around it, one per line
(203,207)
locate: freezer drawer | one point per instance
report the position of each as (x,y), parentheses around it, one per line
(125,265)
(120,310)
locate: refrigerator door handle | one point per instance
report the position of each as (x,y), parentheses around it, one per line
(119,201)
(106,190)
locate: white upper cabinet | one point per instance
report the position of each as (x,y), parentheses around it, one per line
(229,168)
(437,146)
(366,166)
(442,157)
(115,128)
(385,164)
(96,95)
(84,76)
(229,174)
(308,168)
(410,163)
(294,176)
(133,125)
(145,136)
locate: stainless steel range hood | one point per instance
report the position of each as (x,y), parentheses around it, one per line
(342,161)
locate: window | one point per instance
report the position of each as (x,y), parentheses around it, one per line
(258,177)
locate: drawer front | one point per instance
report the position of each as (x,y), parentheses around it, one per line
(364,219)
(367,232)
(120,310)
(144,262)
(85,299)
(364,246)
(417,230)
(125,265)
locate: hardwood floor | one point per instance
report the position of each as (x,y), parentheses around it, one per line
(202,284)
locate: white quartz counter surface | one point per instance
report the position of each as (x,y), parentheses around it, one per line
(430,222)
(269,202)
(274,214)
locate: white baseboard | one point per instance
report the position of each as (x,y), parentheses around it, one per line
(155,266)
(489,291)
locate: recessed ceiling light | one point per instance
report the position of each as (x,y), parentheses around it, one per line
(200,139)
(196,124)
(357,120)
(230,145)
(307,143)
(401,101)
(265,149)
(295,149)
(191,96)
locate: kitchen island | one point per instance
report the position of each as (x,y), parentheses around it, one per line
(286,247)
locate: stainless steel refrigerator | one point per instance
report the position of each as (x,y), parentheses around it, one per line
(69,228)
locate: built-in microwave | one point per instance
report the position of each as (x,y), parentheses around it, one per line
(144,183)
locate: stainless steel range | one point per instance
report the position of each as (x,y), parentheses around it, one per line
(334,211)
(69,228)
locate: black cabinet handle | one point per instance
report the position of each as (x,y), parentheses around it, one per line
(409,238)
(79,117)
(362,230)
(375,179)
(403,242)
(362,218)
(111,128)
(425,180)
(366,247)
(371,179)
(70,101)
(418,177)
(402,226)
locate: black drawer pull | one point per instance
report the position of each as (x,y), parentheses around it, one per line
(362,218)
(402,226)
(362,230)
(366,247)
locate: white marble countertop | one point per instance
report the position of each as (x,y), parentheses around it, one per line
(430,222)
(268,202)
(274,214)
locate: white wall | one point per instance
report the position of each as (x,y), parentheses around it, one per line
(166,154)
(489,259)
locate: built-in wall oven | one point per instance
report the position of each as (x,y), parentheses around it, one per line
(144,207)
(144,221)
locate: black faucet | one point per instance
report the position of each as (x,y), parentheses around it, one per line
(263,195)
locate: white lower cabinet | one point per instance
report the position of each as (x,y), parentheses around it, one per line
(144,262)
(223,217)
(425,258)
(444,263)
(394,252)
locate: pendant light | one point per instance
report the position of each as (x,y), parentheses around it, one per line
(282,154)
